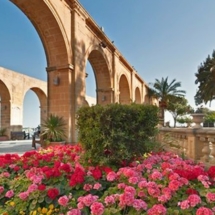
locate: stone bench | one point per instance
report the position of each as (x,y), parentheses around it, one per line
(17,135)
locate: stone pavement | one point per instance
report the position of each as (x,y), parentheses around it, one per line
(16,146)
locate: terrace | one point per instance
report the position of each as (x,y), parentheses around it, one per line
(197,142)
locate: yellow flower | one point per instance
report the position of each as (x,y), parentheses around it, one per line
(34,212)
(12,204)
(39,209)
(51,206)
(44,210)
(49,212)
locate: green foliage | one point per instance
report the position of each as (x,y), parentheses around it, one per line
(205,78)
(210,117)
(177,106)
(164,90)
(184,119)
(53,128)
(116,133)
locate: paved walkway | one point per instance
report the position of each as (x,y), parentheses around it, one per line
(16,146)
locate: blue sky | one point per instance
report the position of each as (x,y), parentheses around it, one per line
(159,38)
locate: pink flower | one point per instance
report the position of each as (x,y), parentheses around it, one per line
(126,199)
(97,208)
(87,200)
(23,195)
(109,200)
(162,199)
(141,194)
(130,189)
(9,194)
(87,187)
(156,175)
(184,204)
(133,180)
(153,189)
(157,210)
(204,211)
(63,200)
(32,188)
(111,176)
(121,186)
(194,200)
(139,204)
(142,184)
(74,212)
(97,186)
(174,185)
(1,189)
(6,174)
(210,197)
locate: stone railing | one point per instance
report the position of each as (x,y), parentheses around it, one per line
(195,143)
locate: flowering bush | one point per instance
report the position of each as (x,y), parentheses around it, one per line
(53,181)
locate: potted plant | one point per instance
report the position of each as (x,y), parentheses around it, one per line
(53,130)
(3,134)
(198,116)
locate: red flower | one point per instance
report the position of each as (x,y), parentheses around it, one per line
(77,177)
(16,168)
(106,169)
(66,168)
(41,187)
(211,171)
(191,191)
(96,173)
(53,193)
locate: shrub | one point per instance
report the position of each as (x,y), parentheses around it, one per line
(116,134)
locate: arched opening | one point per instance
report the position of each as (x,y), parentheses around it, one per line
(102,77)
(90,94)
(124,92)
(31,116)
(22,51)
(34,117)
(4,107)
(137,96)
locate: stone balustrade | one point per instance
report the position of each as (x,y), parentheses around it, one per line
(195,143)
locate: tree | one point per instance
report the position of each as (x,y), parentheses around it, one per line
(205,78)
(177,106)
(164,91)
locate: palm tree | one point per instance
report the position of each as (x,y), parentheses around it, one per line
(164,91)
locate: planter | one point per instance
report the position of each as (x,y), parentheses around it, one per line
(198,118)
(4,138)
(53,144)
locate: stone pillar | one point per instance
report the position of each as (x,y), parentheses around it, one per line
(61,96)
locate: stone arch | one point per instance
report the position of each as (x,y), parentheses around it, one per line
(50,28)
(101,71)
(42,100)
(5,107)
(124,91)
(137,95)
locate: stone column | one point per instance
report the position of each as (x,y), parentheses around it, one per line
(61,95)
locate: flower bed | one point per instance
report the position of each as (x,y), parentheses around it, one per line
(54,181)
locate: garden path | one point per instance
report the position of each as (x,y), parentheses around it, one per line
(15,146)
